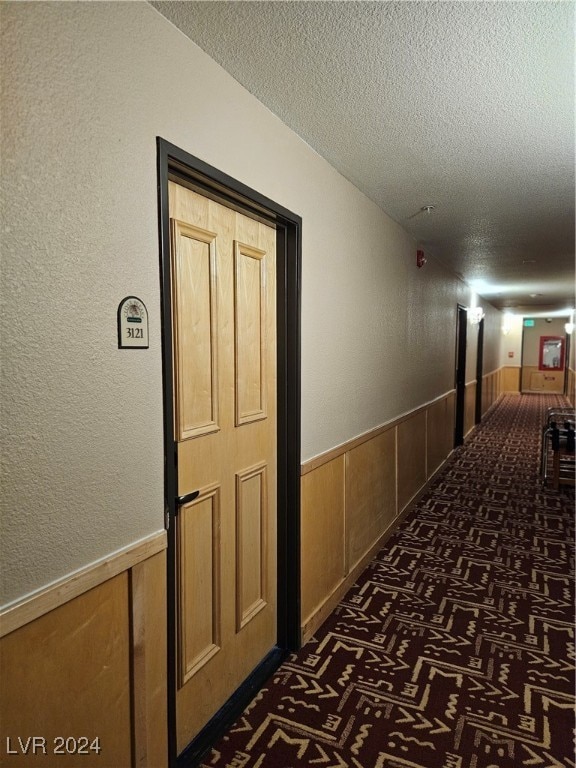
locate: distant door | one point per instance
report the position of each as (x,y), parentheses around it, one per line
(543,356)
(461,330)
(479,372)
(224,346)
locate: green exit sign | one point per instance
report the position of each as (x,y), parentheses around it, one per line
(528,323)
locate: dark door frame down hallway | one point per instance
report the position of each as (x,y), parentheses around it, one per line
(460,373)
(454,646)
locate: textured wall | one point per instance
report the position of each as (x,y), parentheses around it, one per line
(87,88)
(82,420)
(492,338)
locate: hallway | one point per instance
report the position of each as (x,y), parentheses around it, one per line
(455,647)
(438,189)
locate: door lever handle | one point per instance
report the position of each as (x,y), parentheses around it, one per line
(187,498)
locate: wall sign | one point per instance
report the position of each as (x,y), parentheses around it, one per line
(132,324)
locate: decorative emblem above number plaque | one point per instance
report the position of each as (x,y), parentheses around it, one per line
(132,324)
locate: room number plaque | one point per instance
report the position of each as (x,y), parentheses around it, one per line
(132,324)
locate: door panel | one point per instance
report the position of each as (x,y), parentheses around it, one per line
(251,544)
(250,324)
(224,330)
(199,583)
(195,330)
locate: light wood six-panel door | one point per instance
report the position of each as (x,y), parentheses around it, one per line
(224,331)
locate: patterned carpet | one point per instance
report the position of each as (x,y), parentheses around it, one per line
(455,649)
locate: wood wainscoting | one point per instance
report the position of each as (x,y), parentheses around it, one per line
(85,660)
(469,408)
(491,389)
(536,380)
(510,379)
(354,496)
(571,387)
(86,657)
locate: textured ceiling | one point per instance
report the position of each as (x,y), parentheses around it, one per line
(467,106)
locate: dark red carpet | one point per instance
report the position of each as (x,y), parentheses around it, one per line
(455,649)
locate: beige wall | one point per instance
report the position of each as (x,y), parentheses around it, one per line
(510,352)
(511,342)
(87,89)
(492,338)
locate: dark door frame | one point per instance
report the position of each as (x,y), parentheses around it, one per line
(176,164)
(460,376)
(479,371)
